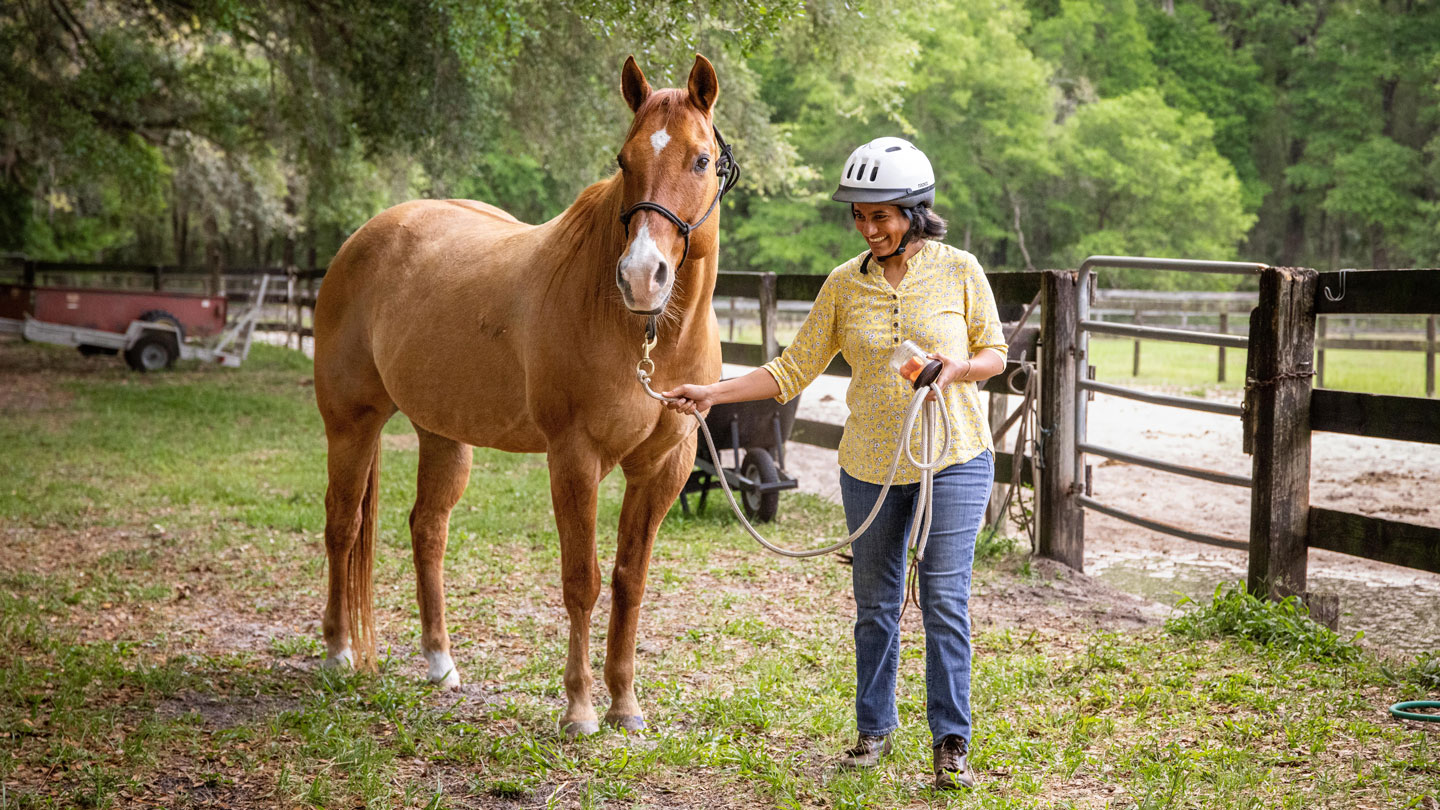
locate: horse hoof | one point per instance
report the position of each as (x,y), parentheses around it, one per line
(579,728)
(450,682)
(342,660)
(442,671)
(629,722)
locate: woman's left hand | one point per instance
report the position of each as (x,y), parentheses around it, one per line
(950,371)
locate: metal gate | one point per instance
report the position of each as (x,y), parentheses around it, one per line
(1085,386)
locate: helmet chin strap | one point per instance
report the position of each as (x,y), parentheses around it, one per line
(904,242)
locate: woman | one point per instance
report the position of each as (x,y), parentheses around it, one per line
(907,286)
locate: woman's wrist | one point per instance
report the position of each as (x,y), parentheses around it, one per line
(965,375)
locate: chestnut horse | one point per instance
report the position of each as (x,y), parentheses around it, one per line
(488,332)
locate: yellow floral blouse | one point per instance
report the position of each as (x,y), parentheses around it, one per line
(944,304)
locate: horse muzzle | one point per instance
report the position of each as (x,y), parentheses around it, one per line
(644,275)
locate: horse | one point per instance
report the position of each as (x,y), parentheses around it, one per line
(489,332)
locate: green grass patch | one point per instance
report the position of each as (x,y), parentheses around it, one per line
(162,582)
(1197,367)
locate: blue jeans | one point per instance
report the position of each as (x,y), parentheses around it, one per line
(961,491)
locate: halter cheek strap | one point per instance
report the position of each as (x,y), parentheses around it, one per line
(725,168)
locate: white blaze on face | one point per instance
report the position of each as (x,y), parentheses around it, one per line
(637,273)
(659,139)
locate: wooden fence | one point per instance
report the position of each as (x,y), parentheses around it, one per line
(1282,410)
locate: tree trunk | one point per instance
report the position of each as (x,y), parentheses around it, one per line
(1019,231)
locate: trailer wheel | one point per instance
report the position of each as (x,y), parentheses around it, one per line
(760,467)
(161,316)
(152,352)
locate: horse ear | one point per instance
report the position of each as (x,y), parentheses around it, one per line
(633,84)
(704,87)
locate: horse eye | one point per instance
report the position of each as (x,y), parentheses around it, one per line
(620,161)
(701,162)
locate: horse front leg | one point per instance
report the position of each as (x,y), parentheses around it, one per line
(651,486)
(574,481)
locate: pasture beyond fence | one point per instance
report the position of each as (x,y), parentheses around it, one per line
(1286,324)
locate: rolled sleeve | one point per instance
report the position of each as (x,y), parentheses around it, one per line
(983,317)
(815,345)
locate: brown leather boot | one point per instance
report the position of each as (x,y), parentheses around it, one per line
(952,770)
(867,752)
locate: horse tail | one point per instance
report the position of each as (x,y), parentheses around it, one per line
(359,587)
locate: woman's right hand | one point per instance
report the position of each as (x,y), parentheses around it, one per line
(689,398)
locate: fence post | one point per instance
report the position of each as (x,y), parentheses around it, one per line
(1061,520)
(1135,370)
(1430,356)
(1277,430)
(1224,330)
(999,404)
(769,316)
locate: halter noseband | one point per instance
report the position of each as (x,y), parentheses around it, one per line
(725,168)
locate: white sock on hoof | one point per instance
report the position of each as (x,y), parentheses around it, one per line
(341,660)
(442,670)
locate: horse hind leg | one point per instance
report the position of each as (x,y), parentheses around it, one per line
(351,506)
(444,472)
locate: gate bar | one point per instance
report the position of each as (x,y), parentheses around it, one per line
(1161,333)
(1165,528)
(1166,466)
(1190,403)
(1192,265)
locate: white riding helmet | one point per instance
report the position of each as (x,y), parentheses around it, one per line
(887,170)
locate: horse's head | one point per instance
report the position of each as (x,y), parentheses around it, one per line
(674,166)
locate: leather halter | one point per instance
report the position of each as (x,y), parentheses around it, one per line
(725,168)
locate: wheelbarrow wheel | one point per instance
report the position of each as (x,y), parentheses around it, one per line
(759,467)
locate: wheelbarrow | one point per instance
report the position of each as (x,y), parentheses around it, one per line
(761,429)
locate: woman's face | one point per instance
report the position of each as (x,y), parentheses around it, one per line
(881,225)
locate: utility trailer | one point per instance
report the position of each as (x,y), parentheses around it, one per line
(151,341)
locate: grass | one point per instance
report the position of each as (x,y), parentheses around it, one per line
(1196,368)
(161,565)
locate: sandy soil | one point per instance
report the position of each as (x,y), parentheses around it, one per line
(1395,607)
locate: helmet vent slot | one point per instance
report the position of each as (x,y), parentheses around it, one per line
(893,149)
(875,171)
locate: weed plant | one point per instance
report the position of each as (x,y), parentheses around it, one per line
(1283,626)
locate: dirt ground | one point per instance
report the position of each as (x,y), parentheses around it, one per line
(1397,608)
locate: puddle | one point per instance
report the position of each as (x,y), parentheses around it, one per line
(1397,609)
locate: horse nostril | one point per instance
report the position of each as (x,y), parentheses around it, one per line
(661,274)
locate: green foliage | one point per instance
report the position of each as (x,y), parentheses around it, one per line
(1293,133)
(1283,626)
(1141,178)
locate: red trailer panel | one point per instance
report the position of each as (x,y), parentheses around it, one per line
(113,310)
